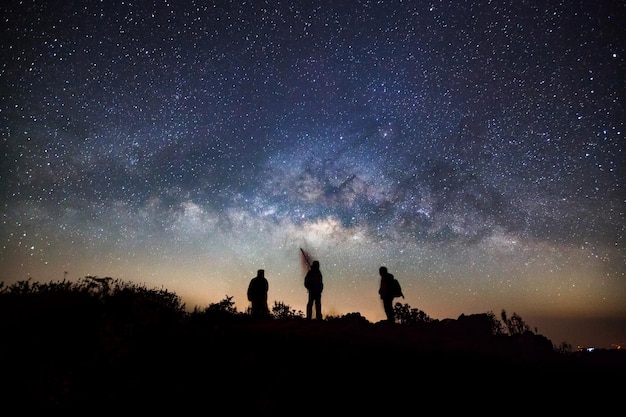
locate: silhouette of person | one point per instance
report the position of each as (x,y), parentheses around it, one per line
(313,282)
(386,294)
(257,294)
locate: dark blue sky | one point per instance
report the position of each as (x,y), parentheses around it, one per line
(475,148)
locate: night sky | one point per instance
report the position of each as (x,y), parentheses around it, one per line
(475,148)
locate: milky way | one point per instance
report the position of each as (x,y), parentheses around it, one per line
(474,148)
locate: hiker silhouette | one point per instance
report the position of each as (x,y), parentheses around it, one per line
(386,293)
(313,282)
(257,294)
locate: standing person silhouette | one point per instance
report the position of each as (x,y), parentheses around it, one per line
(257,294)
(313,282)
(386,293)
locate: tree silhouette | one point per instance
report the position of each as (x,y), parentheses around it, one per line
(514,325)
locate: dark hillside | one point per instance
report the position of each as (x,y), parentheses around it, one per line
(108,347)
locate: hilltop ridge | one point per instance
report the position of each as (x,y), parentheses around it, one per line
(83,347)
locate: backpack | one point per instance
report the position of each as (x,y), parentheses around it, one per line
(396,290)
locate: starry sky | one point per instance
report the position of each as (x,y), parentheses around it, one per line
(475,148)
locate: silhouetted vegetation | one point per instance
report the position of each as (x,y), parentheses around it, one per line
(107,345)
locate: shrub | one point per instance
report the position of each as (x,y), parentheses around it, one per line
(281,310)
(407,315)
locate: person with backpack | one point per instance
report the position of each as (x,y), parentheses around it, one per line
(314,284)
(388,290)
(257,294)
